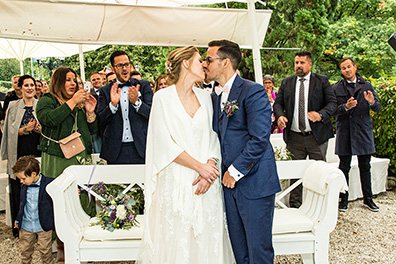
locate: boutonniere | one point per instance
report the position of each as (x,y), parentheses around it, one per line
(230,107)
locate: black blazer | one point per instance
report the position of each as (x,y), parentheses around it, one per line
(112,124)
(45,207)
(321,99)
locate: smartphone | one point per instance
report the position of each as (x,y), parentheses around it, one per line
(87,86)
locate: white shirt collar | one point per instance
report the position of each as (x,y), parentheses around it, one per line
(231,81)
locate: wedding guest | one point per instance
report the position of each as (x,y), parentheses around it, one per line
(356,99)
(136,75)
(39,87)
(160,83)
(110,77)
(269,84)
(21,136)
(60,112)
(80,83)
(183,197)
(123,113)
(303,108)
(96,83)
(35,219)
(45,88)
(12,95)
(103,76)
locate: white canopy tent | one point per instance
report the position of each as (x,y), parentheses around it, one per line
(137,22)
(22,49)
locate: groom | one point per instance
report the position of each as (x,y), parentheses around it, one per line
(250,179)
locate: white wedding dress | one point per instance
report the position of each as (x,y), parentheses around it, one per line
(181,227)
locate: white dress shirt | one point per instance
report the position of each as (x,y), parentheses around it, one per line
(294,126)
(124,103)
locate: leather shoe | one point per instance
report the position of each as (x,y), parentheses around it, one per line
(370,205)
(343,206)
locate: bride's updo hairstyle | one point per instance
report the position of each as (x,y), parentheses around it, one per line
(174,62)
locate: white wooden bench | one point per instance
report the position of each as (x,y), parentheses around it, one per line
(379,169)
(305,231)
(72,223)
(302,231)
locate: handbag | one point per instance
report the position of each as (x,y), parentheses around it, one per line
(70,145)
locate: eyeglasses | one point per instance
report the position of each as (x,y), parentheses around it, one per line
(121,66)
(209,59)
(268,82)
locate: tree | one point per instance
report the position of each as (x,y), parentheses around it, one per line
(151,60)
(8,68)
(360,30)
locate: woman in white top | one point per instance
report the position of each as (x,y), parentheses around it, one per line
(185,221)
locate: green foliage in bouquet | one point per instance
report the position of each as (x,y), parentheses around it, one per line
(119,210)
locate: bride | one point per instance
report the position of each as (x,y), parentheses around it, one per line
(185,221)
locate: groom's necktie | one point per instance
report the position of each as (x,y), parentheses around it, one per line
(301,106)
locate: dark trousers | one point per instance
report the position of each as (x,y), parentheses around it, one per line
(364,171)
(128,155)
(301,147)
(250,227)
(15,193)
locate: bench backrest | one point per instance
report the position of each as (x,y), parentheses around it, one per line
(70,219)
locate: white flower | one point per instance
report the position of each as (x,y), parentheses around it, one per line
(121,212)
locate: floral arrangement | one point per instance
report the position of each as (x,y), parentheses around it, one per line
(230,107)
(282,154)
(119,210)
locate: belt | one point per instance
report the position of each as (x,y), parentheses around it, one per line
(307,133)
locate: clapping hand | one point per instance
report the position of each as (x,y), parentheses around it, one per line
(369,97)
(133,93)
(115,94)
(90,104)
(351,103)
(31,125)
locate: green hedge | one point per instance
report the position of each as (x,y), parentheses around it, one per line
(384,122)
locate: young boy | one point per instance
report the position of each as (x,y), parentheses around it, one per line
(35,218)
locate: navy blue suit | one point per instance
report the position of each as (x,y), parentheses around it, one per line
(45,207)
(245,144)
(112,124)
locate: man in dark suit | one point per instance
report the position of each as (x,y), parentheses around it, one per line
(303,107)
(96,82)
(249,179)
(355,97)
(123,112)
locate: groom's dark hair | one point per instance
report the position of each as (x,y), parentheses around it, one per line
(228,49)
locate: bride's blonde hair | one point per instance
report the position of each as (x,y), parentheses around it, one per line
(174,62)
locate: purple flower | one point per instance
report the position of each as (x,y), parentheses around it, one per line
(112,207)
(230,107)
(131,217)
(113,215)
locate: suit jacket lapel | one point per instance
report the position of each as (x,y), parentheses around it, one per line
(216,111)
(234,94)
(313,83)
(293,93)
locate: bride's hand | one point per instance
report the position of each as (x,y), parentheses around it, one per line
(203,185)
(209,172)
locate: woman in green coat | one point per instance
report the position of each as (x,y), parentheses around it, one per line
(62,111)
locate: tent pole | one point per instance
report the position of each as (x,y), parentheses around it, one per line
(258,72)
(81,56)
(21,66)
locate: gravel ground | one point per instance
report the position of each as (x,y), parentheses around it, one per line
(361,236)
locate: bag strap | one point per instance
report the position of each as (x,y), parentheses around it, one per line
(75,129)
(53,140)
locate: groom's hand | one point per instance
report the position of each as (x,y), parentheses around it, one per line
(228,180)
